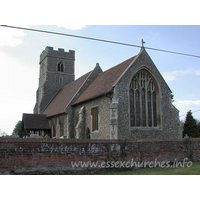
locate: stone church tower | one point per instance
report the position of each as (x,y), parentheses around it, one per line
(56,71)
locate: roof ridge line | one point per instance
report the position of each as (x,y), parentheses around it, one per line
(77,91)
(82,86)
(134,59)
(52,99)
(61,89)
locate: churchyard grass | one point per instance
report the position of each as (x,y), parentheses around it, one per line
(193,170)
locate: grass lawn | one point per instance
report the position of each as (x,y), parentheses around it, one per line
(193,170)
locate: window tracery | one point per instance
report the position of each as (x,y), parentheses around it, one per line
(143,95)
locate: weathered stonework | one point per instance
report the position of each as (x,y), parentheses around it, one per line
(49,80)
(114,111)
(169,126)
(103,103)
(114,119)
(19,155)
(80,127)
(57,128)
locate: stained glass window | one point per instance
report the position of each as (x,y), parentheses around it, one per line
(143,96)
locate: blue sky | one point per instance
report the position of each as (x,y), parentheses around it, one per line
(20,50)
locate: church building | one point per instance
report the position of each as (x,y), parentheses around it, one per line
(128,101)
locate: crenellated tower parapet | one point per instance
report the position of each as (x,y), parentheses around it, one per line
(56,71)
(60,53)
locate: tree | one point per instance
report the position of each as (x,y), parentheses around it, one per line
(18,129)
(198,128)
(190,126)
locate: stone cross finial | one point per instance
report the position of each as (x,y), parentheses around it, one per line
(143,43)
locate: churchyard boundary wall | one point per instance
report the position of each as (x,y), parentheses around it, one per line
(21,155)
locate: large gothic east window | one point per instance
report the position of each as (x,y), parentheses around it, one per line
(143,95)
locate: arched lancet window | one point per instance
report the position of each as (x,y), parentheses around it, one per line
(60,80)
(60,67)
(143,95)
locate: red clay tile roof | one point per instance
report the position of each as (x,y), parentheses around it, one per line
(35,122)
(101,85)
(104,82)
(64,96)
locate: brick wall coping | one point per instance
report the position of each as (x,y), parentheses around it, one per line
(42,140)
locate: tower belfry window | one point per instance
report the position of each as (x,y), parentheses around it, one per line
(143,95)
(60,67)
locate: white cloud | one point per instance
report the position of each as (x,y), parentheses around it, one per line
(171,76)
(11,36)
(19,94)
(185,105)
(150,36)
(168,76)
(197,72)
(72,27)
(154,35)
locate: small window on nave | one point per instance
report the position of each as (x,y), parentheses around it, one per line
(95,118)
(54,128)
(61,123)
